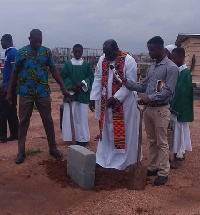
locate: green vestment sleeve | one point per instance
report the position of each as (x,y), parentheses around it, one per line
(90,77)
(65,75)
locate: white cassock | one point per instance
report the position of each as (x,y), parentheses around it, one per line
(80,115)
(106,155)
(181,140)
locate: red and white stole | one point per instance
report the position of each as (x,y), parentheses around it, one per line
(117,112)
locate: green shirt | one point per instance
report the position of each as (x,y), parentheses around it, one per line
(72,74)
(182,103)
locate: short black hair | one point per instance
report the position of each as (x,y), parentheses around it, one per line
(79,46)
(112,43)
(35,32)
(7,37)
(157,40)
(179,51)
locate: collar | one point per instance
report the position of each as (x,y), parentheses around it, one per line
(164,61)
(78,62)
(181,68)
(10,48)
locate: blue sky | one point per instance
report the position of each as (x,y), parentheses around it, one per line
(90,22)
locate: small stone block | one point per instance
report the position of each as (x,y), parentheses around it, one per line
(81,158)
(84,180)
(81,166)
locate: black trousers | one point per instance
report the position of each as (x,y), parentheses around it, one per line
(8,114)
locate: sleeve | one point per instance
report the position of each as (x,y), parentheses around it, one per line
(51,61)
(133,86)
(97,85)
(11,57)
(169,88)
(19,61)
(65,76)
(88,81)
(130,73)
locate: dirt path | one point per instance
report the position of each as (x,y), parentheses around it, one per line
(39,185)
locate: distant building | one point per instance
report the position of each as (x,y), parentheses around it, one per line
(191,44)
(61,55)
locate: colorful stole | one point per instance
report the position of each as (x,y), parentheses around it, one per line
(117,111)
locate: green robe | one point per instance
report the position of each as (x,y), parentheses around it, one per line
(182,103)
(72,74)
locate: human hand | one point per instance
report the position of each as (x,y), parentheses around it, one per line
(144,100)
(92,105)
(111,102)
(79,85)
(76,89)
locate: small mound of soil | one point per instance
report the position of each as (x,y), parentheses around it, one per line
(105,179)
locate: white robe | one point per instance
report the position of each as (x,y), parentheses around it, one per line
(181,140)
(106,155)
(80,115)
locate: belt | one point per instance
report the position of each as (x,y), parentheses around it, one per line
(157,104)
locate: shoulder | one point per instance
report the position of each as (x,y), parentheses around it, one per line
(85,63)
(101,58)
(171,64)
(68,63)
(130,59)
(22,49)
(172,67)
(186,72)
(47,50)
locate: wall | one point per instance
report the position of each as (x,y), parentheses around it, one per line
(192,46)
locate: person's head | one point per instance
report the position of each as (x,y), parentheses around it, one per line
(168,50)
(35,39)
(178,56)
(78,51)
(110,49)
(6,41)
(156,47)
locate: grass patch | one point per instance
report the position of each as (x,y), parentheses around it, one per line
(33,152)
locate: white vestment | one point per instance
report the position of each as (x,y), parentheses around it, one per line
(181,140)
(80,115)
(106,155)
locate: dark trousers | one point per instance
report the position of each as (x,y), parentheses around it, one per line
(8,114)
(25,111)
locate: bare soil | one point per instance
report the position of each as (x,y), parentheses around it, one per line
(40,185)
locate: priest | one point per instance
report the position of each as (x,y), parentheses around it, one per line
(119,116)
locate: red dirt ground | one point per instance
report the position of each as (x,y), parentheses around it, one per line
(40,186)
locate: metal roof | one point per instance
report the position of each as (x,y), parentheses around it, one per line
(183,37)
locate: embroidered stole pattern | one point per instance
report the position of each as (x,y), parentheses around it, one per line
(117,112)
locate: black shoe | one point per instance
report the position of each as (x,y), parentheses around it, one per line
(20,158)
(55,153)
(175,164)
(81,143)
(11,138)
(2,141)
(160,180)
(152,173)
(179,159)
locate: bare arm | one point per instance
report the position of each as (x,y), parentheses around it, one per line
(12,82)
(58,79)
